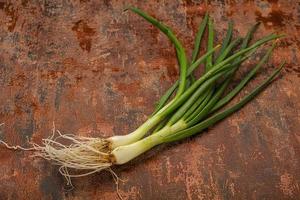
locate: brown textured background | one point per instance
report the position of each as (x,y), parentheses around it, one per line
(97,71)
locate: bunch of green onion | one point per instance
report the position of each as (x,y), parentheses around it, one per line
(190,105)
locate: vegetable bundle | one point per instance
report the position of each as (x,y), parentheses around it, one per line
(187,108)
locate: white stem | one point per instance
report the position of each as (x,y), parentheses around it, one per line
(121,140)
(123,154)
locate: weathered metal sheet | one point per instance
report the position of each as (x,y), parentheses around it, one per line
(97,71)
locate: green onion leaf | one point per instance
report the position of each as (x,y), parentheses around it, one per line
(219,116)
(242,84)
(162,102)
(199,38)
(228,37)
(179,48)
(210,44)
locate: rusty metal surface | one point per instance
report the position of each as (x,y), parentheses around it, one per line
(96,71)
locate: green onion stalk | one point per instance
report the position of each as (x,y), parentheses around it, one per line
(188,107)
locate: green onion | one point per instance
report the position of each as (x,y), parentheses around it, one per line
(181,131)
(192,110)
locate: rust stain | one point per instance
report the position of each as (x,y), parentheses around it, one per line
(172,71)
(115,69)
(51,74)
(129,88)
(18,80)
(12,14)
(288,185)
(84,34)
(70,64)
(195,9)
(2,4)
(275,18)
(273,1)
(24,2)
